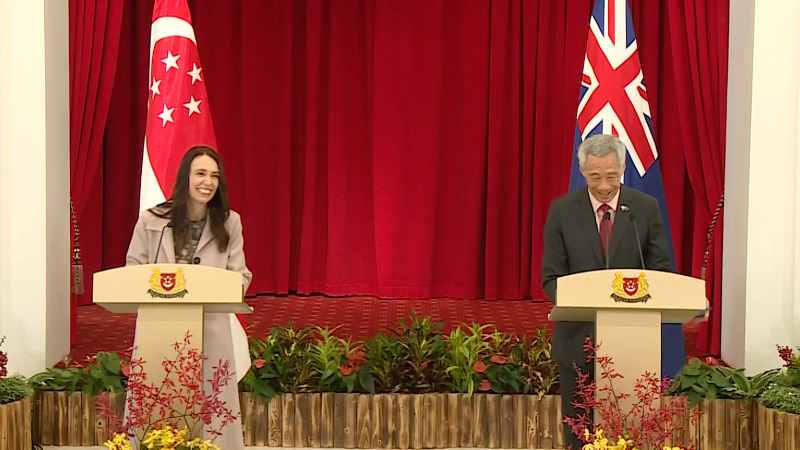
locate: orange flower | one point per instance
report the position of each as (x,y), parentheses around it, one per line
(259,363)
(346,369)
(485,385)
(479,366)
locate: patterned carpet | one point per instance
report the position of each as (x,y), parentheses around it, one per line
(99,330)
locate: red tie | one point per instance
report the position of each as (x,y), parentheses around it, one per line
(605,227)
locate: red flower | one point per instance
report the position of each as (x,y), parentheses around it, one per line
(151,404)
(653,426)
(346,369)
(259,363)
(711,360)
(787,355)
(479,366)
(498,359)
(485,385)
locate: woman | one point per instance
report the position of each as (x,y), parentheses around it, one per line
(203,231)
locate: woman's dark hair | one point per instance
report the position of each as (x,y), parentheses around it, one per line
(175,207)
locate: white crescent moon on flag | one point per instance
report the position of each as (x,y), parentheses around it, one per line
(165,27)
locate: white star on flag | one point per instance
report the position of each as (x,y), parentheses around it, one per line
(166,116)
(193,106)
(170,61)
(154,88)
(195,73)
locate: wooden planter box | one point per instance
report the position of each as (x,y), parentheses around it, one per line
(777,430)
(327,420)
(402,421)
(742,425)
(15,425)
(64,419)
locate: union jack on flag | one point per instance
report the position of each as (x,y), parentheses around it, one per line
(613,100)
(613,97)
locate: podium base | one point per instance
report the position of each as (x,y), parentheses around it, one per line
(158,327)
(634,338)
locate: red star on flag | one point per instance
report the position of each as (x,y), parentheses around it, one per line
(178,118)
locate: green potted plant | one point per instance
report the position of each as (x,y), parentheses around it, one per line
(15,406)
(783,394)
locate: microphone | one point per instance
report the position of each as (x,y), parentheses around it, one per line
(158,250)
(636,229)
(607,217)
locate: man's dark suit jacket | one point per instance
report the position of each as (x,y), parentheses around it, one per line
(572,245)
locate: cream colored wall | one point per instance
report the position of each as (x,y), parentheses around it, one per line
(34,182)
(761,262)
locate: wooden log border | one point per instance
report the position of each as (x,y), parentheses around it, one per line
(401,421)
(64,419)
(15,425)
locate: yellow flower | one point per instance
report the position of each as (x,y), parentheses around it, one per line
(599,442)
(197,444)
(120,442)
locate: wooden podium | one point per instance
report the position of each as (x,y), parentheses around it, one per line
(628,307)
(170,299)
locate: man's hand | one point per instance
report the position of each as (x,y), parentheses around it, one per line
(704,317)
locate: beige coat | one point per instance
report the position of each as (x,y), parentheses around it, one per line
(146,234)
(219,330)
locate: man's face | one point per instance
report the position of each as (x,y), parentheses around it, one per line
(603,175)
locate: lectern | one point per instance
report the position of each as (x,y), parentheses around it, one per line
(169,299)
(628,307)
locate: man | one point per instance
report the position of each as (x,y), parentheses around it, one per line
(575,234)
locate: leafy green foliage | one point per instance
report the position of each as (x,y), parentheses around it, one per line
(14,388)
(538,370)
(55,379)
(424,365)
(466,358)
(699,380)
(104,372)
(783,395)
(414,358)
(280,363)
(340,364)
(502,374)
(385,355)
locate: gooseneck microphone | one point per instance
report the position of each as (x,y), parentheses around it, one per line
(607,218)
(636,229)
(158,250)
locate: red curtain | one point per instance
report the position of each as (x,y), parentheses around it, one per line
(400,148)
(94,31)
(699,38)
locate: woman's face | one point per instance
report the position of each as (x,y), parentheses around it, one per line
(203,179)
